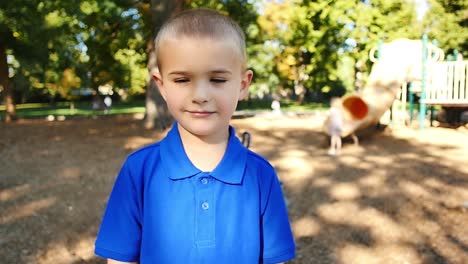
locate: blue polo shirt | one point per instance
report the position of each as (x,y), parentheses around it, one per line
(163,209)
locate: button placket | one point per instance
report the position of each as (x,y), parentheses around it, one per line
(205,214)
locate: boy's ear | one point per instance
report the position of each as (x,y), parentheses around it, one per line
(157,78)
(245,84)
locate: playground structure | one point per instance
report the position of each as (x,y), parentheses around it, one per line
(400,65)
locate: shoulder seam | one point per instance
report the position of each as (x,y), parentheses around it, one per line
(260,158)
(150,146)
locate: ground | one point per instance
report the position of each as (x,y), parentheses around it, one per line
(401,196)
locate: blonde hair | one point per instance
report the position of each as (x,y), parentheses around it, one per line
(202,23)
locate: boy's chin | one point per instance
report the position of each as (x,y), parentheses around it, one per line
(205,130)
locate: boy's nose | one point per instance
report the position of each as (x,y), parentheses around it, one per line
(200,93)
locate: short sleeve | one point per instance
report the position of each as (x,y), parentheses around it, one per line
(120,233)
(278,241)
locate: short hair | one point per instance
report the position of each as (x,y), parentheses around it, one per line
(202,23)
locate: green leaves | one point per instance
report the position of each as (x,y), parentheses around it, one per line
(447,22)
(290,43)
(89,7)
(54,19)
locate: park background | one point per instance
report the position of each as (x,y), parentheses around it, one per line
(399,197)
(65,52)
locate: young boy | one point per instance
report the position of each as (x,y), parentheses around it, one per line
(335,126)
(198,196)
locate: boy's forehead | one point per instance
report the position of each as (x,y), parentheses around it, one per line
(168,45)
(229,42)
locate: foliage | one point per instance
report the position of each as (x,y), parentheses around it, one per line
(445,15)
(99,42)
(313,37)
(39,46)
(302,49)
(115,46)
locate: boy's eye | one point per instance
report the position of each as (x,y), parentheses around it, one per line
(181,80)
(218,80)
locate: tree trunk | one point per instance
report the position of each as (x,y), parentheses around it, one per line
(10,111)
(156,108)
(299,89)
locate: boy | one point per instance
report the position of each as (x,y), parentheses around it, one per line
(335,126)
(198,196)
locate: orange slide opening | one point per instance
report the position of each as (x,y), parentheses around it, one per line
(356,107)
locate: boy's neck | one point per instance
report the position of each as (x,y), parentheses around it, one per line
(205,153)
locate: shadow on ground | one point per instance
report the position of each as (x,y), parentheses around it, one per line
(393,199)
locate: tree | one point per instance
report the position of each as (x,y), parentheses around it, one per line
(16,39)
(444,15)
(38,48)
(114,40)
(4,80)
(98,42)
(374,21)
(294,45)
(307,38)
(154,14)
(312,37)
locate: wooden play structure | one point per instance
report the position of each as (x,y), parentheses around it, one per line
(443,83)
(405,67)
(447,84)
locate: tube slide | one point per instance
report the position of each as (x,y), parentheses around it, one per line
(401,61)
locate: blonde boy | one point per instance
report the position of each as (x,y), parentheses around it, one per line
(198,196)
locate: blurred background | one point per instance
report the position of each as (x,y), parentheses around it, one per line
(70,55)
(77,99)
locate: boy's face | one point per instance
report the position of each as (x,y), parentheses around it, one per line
(202,79)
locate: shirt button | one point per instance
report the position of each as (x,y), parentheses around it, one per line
(205,205)
(204,181)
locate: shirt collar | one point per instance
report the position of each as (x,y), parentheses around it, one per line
(178,166)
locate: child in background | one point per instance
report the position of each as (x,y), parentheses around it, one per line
(335,126)
(107,103)
(198,196)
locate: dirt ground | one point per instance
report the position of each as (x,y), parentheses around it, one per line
(401,196)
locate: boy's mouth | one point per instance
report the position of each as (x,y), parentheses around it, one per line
(200,113)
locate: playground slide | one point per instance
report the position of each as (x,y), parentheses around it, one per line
(400,61)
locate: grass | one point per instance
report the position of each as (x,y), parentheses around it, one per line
(37,110)
(294,106)
(77,109)
(287,105)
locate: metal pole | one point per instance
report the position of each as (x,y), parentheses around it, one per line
(411,102)
(431,108)
(422,105)
(379,49)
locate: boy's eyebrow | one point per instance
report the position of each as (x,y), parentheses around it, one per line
(177,73)
(220,71)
